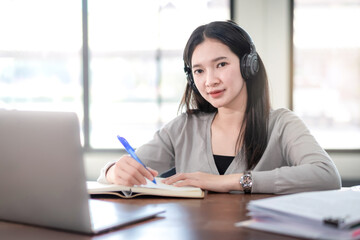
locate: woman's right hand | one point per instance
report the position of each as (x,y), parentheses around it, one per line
(128,172)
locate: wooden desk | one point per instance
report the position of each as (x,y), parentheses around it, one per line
(209,218)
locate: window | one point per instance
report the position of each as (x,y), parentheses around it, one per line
(40,55)
(327,70)
(135,70)
(137,77)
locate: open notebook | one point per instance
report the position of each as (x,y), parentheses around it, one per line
(159,189)
(42,176)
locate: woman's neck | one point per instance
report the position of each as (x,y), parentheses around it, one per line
(229,120)
(227,125)
(225,130)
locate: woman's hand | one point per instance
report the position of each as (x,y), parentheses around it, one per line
(206,181)
(127,171)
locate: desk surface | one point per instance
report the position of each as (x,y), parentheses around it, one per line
(210,218)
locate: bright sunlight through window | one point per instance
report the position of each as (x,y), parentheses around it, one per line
(327,70)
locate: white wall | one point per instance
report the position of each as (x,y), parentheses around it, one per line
(268,23)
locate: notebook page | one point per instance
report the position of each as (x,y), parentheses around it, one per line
(161,185)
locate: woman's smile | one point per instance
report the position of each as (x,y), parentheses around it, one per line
(217,93)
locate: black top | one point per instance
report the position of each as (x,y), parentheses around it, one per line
(222,163)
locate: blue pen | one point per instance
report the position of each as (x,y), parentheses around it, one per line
(131,151)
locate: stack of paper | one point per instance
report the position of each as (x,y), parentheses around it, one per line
(315,215)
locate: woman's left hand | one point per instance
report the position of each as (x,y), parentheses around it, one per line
(206,181)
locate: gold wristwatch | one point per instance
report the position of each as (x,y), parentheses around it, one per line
(246,182)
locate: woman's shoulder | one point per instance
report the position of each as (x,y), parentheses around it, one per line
(282,118)
(283,114)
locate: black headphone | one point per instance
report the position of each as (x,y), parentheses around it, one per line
(190,78)
(249,63)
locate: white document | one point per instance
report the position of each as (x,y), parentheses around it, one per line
(317,215)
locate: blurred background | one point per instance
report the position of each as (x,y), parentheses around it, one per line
(118,65)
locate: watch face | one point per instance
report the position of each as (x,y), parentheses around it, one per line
(246,182)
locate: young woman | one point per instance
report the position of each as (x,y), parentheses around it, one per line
(229,138)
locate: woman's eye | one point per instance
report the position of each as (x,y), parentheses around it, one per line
(198,71)
(222,64)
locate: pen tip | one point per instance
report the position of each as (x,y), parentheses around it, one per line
(121,139)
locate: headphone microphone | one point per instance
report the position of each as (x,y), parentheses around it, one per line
(249,63)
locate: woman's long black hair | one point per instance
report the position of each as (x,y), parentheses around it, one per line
(254,130)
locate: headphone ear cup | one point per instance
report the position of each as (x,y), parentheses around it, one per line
(243,68)
(190,79)
(249,65)
(192,83)
(253,64)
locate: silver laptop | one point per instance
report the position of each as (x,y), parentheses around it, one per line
(42,176)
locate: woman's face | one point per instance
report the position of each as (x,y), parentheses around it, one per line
(217,76)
